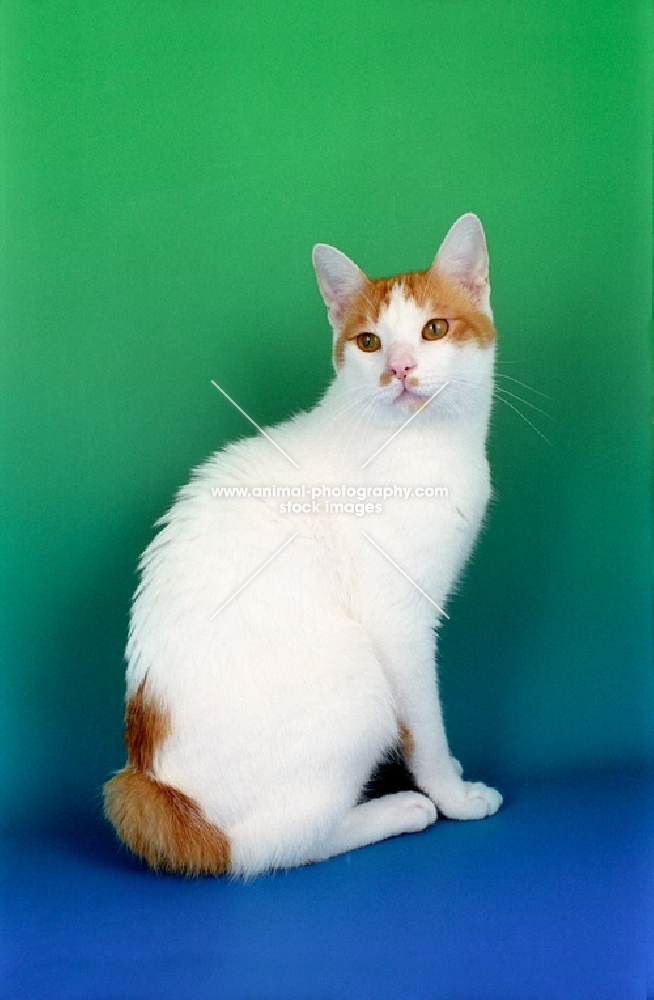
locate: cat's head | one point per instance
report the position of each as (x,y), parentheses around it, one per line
(398,340)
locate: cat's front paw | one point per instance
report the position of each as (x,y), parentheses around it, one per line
(468,800)
(457,765)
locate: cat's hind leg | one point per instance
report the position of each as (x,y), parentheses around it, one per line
(312,827)
(378,819)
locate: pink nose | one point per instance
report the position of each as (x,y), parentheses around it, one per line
(400,360)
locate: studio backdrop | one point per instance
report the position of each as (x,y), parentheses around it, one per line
(166,169)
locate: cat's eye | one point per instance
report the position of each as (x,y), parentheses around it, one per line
(368,342)
(435,329)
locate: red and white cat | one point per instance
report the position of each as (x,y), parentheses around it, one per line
(275,658)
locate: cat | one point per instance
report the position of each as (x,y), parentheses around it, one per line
(279,650)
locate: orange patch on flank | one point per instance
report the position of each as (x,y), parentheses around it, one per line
(147,726)
(445,299)
(406,740)
(159,823)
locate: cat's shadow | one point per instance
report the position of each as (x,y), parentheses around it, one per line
(388,777)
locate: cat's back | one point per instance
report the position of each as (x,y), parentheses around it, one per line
(232,576)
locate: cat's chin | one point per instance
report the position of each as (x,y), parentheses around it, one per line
(409,401)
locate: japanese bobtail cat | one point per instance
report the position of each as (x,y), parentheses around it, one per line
(275,658)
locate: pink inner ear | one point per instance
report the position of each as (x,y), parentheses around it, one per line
(463,258)
(477,287)
(335,311)
(337,302)
(339,279)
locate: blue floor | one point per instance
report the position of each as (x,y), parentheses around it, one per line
(548,900)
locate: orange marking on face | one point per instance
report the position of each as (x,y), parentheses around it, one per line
(385,378)
(413,380)
(443,299)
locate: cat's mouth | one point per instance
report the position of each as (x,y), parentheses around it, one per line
(409,395)
(409,400)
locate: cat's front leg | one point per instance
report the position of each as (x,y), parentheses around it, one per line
(425,746)
(467,800)
(439,774)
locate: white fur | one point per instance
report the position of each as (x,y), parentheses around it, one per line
(283,703)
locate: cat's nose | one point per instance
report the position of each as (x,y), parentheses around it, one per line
(400,360)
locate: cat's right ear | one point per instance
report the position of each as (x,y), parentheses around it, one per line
(339,280)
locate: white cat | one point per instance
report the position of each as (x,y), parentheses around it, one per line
(276,657)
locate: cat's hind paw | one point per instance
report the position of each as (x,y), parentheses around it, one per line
(415,812)
(469,800)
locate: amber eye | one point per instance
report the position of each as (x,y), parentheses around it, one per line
(435,329)
(368,342)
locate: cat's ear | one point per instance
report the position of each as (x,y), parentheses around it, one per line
(463,258)
(339,280)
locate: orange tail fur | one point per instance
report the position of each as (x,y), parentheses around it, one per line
(164,826)
(156,821)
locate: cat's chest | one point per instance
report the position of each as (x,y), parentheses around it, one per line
(422,509)
(410,483)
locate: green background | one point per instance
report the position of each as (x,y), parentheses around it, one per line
(166,168)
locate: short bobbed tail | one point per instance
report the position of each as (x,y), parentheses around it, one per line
(163,826)
(157,822)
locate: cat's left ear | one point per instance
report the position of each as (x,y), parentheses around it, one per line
(339,280)
(463,257)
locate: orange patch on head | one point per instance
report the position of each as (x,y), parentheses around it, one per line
(385,378)
(443,298)
(363,313)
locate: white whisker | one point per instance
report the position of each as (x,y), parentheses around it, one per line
(499,388)
(523,384)
(496,394)
(516,410)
